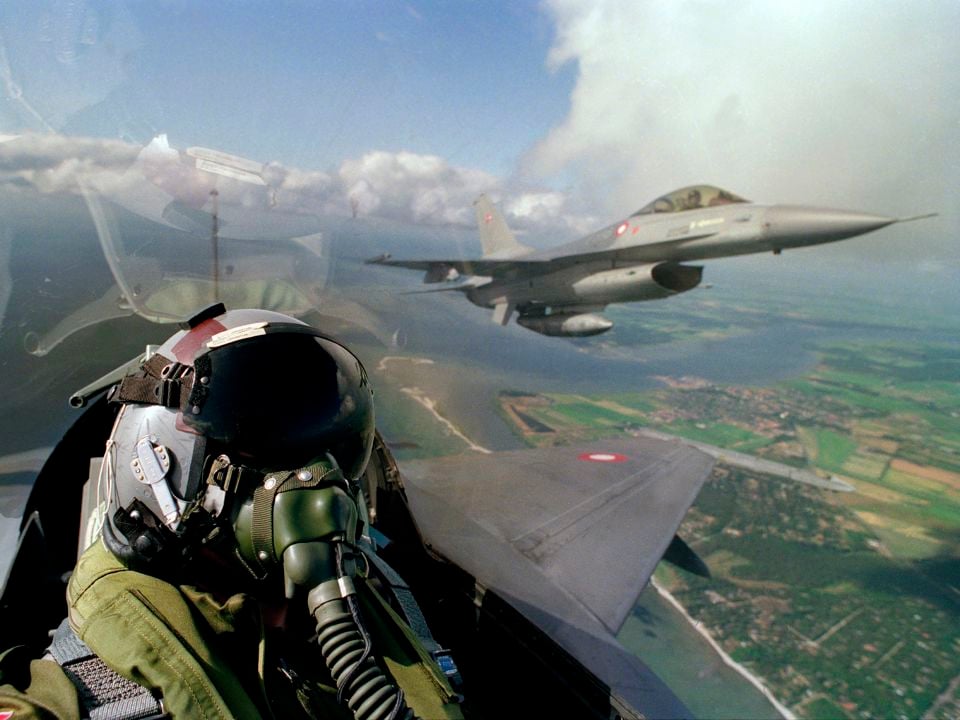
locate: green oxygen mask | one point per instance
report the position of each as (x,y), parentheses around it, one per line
(295,519)
(305,521)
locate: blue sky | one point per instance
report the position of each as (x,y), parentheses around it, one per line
(311,84)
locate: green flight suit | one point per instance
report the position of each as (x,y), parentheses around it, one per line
(212,658)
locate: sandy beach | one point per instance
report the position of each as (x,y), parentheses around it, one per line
(418,395)
(729,661)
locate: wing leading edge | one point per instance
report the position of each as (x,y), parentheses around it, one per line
(567,536)
(548,261)
(496,268)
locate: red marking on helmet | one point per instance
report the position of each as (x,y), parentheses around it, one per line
(622,228)
(6,714)
(603,457)
(186,349)
(488,218)
(636,230)
(182,427)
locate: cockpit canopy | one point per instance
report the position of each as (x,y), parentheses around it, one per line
(690,198)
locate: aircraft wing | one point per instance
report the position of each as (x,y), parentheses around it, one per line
(543,261)
(494,268)
(568,536)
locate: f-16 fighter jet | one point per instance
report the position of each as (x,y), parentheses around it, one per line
(560,291)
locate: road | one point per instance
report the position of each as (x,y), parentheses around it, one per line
(760,465)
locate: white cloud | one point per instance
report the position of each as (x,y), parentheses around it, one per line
(54,163)
(546,213)
(414,188)
(401,186)
(848,104)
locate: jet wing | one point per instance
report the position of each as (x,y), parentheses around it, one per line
(493,268)
(547,260)
(568,536)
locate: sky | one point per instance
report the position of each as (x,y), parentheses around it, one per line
(569,113)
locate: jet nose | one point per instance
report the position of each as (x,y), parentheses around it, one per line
(793,226)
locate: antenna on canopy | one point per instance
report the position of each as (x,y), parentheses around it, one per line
(214,239)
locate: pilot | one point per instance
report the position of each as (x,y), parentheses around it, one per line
(694,200)
(230,578)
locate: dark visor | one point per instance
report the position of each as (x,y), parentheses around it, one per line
(281,399)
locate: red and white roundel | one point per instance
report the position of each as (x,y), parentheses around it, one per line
(622,228)
(603,457)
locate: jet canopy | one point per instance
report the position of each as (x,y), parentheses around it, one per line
(690,198)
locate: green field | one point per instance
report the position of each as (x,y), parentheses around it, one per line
(585,413)
(833,449)
(823,709)
(719,434)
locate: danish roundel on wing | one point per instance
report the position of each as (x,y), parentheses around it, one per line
(603,457)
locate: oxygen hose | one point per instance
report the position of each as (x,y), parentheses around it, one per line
(308,519)
(347,651)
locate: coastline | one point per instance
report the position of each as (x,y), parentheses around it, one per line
(423,399)
(727,660)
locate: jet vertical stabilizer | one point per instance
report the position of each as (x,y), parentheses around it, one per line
(496,238)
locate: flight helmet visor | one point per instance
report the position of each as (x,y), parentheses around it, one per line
(281,396)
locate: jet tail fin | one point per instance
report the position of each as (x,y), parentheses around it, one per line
(495,236)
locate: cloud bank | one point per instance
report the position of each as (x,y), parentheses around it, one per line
(400,186)
(831,102)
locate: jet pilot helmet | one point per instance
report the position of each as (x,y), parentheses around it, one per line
(231,397)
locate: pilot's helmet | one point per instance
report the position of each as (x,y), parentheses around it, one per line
(231,397)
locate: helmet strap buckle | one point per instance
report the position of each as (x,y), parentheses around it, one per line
(229,477)
(169,386)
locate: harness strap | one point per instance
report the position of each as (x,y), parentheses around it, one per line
(414,616)
(103,693)
(159,381)
(263,497)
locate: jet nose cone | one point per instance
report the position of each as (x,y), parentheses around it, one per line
(796,225)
